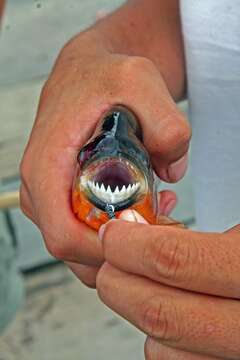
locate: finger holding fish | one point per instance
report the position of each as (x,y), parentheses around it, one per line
(87,274)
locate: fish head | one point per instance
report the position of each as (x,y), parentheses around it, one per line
(115,167)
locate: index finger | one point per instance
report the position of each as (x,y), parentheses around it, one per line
(202,262)
(50,181)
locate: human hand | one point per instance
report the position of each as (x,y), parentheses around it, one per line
(87,80)
(178,286)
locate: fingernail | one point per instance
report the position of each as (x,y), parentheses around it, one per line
(169,208)
(132,216)
(178,169)
(101,231)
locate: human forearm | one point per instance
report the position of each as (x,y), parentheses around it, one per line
(149,28)
(146,28)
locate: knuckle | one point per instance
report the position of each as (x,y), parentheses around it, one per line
(23,202)
(69,49)
(151,349)
(102,282)
(168,259)
(147,351)
(175,138)
(25,210)
(160,319)
(49,88)
(46,89)
(154,350)
(85,273)
(134,65)
(179,132)
(57,248)
(53,249)
(24,168)
(109,233)
(154,321)
(183,129)
(90,283)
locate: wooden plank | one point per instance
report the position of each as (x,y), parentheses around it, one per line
(31,249)
(9,199)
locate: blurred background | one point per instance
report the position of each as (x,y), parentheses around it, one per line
(45,313)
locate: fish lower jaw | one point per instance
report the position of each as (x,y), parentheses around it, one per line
(108,195)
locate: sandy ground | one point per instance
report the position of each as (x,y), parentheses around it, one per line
(63,320)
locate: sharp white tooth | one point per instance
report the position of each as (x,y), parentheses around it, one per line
(123,189)
(102,189)
(129,188)
(109,191)
(116,190)
(97,186)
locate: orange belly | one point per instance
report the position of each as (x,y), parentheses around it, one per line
(88,213)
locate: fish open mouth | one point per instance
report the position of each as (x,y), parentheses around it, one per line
(115,181)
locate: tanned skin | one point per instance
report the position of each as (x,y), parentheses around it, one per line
(132,57)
